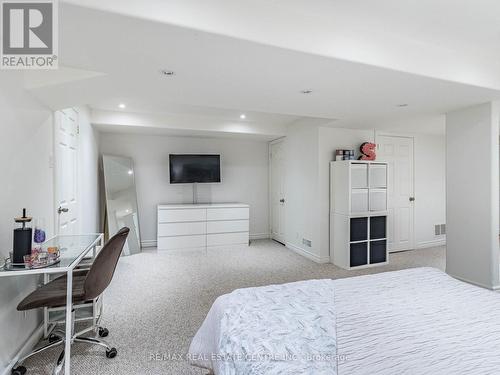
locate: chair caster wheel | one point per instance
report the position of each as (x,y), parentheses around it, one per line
(111,353)
(53,338)
(21,370)
(103,332)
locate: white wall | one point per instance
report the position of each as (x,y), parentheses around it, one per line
(88,173)
(310,150)
(25,149)
(472,194)
(430,188)
(301,190)
(244,175)
(26,152)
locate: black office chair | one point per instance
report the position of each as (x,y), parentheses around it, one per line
(87,285)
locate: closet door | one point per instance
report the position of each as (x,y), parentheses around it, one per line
(398,153)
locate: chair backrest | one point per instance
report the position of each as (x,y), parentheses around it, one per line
(102,270)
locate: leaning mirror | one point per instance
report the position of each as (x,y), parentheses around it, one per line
(121,200)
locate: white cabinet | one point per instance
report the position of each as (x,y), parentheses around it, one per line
(378,200)
(358,224)
(359,176)
(203,225)
(359,200)
(378,175)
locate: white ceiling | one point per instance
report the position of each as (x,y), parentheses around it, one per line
(116,58)
(449,39)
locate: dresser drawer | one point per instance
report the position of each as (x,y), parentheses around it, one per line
(172,216)
(182,229)
(227,239)
(228,226)
(181,242)
(242,213)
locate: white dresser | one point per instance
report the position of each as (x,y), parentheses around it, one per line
(191,226)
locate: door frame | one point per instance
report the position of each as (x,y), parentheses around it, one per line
(412,137)
(270,186)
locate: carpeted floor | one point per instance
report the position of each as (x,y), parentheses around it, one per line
(157,301)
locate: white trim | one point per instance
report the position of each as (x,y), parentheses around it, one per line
(269,187)
(260,236)
(307,253)
(28,346)
(148,243)
(432,243)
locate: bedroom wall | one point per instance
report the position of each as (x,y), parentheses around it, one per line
(88,173)
(301,190)
(308,183)
(25,150)
(472,194)
(26,160)
(245,175)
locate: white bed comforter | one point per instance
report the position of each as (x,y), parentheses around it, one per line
(418,321)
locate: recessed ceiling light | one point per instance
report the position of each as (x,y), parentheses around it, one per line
(306,91)
(167,72)
(243,116)
(402,105)
(121,105)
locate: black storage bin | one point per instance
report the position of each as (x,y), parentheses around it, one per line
(359,254)
(378,251)
(378,227)
(359,229)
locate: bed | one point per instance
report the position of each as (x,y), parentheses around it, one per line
(416,321)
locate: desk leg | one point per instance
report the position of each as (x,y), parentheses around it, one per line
(69,323)
(45,311)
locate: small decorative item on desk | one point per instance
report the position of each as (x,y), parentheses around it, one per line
(39,236)
(27,261)
(53,252)
(22,239)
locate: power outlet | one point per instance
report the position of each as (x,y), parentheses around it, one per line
(439,229)
(306,242)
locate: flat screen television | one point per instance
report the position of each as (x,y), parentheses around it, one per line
(187,168)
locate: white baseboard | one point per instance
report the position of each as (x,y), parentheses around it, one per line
(307,254)
(432,243)
(25,349)
(148,243)
(259,236)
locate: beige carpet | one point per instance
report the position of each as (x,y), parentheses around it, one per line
(157,301)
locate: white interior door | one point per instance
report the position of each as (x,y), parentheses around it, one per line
(398,153)
(277,194)
(66,171)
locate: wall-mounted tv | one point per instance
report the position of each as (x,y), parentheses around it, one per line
(188,169)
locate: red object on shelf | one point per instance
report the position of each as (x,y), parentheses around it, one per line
(368,151)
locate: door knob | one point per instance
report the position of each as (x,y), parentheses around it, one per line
(412,199)
(60,210)
(282,200)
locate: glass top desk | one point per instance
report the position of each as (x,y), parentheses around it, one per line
(73,249)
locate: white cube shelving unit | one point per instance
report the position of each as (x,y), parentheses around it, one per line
(358,213)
